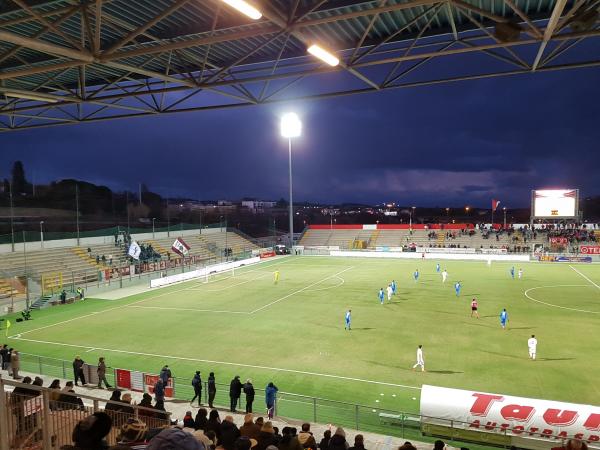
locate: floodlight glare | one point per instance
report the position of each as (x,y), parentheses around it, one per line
(291,126)
(245,8)
(323,55)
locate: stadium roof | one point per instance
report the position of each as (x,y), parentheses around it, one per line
(72,61)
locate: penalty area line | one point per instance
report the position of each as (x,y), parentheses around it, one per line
(583,276)
(225,363)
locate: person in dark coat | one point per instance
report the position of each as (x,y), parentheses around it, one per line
(114,403)
(249,391)
(359,443)
(66,401)
(78,371)
(270,396)
(338,440)
(201,419)
(146,403)
(4,357)
(197,385)
(249,428)
(214,424)
(159,394)
(235,391)
(306,438)
(289,441)
(188,420)
(229,433)
(89,433)
(165,374)
(266,436)
(212,389)
(324,444)
(102,373)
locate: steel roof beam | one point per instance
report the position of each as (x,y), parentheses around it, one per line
(46,47)
(557,11)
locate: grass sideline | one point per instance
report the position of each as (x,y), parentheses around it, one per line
(292,333)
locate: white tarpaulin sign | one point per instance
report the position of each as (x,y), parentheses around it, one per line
(180,247)
(134,250)
(522,417)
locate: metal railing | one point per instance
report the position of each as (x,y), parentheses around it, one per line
(406,425)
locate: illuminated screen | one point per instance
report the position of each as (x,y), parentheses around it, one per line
(555,203)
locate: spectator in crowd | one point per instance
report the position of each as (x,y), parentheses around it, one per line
(63,297)
(54,394)
(260,422)
(90,432)
(212,389)
(68,401)
(407,446)
(102,373)
(165,374)
(188,420)
(249,391)
(4,355)
(229,433)
(214,424)
(245,443)
(205,440)
(266,437)
(359,443)
(574,444)
(114,402)
(338,440)
(78,370)
(159,394)
(276,435)
(146,402)
(201,419)
(235,391)
(288,440)
(270,398)
(15,364)
(324,444)
(213,438)
(306,438)
(174,439)
(133,434)
(439,445)
(249,428)
(126,400)
(197,385)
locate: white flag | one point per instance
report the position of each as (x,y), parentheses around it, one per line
(134,250)
(180,247)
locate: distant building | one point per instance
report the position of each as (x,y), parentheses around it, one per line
(257,206)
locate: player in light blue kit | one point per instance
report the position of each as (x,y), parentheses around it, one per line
(381,296)
(416,275)
(503,318)
(393,287)
(437,267)
(348,319)
(457,287)
(512,272)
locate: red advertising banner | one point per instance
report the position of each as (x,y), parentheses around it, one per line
(267,255)
(150,381)
(589,249)
(123,378)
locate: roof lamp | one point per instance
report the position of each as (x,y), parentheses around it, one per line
(291,126)
(245,8)
(323,55)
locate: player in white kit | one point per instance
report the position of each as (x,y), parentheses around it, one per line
(532,345)
(520,273)
(444,276)
(389,292)
(420,360)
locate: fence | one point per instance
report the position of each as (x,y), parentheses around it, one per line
(405,425)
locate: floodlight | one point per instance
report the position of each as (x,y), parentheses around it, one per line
(323,55)
(245,8)
(291,126)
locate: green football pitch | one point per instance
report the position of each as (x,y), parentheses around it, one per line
(292,332)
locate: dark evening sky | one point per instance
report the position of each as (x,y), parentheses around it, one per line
(452,144)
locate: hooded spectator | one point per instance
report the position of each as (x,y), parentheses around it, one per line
(174,439)
(229,433)
(306,438)
(201,419)
(249,428)
(89,433)
(324,444)
(266,437)
(270,398)
(359,443)
(338,440)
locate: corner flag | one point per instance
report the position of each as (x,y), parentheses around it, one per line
(495,204)
(8,324)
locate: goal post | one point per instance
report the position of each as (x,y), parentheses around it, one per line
(214,276)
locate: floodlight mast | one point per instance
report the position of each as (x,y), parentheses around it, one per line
(291,127)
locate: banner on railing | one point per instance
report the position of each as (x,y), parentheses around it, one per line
(590,249)
(530,418)
(150,381)
(559,241)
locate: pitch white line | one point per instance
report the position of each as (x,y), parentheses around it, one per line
(329,287)
(226,363)
(558,306)
(583,276)
(300,290)
(231,286)
(188,309)
(90,350)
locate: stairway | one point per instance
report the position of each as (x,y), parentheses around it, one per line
(41,302)
(83,254)
(373,239)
